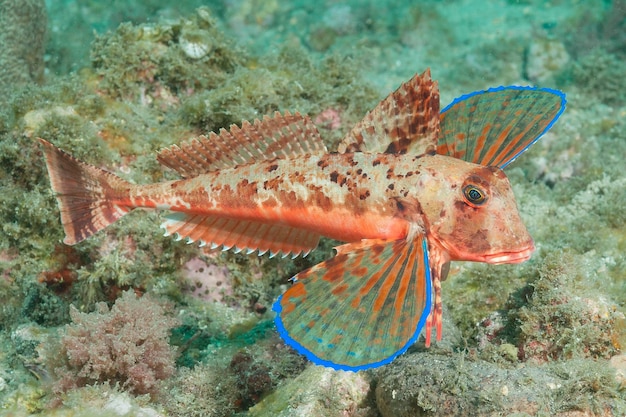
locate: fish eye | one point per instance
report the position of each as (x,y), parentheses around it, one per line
(474,195)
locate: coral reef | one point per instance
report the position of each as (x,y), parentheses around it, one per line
(22,43)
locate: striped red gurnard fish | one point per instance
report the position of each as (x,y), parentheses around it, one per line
(409,190)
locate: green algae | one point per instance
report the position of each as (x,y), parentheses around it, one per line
(566,317)
(284,81)
(318,392)
(430,384)
(23,41)
(201,391)
(599,74)
(144,56)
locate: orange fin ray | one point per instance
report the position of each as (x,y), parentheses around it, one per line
(407,121)
(361,308)
(250,236)
(279,136)
(86,195)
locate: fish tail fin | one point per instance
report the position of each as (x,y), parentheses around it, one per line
(88,197)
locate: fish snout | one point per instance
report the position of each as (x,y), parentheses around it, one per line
(519,254)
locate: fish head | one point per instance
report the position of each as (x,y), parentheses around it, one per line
(478,219)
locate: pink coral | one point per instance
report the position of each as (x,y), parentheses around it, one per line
(127,344)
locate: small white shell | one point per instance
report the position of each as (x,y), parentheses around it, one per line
(194,50)
(195,42)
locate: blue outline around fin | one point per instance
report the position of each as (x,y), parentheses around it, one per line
(318,361)
(516,87)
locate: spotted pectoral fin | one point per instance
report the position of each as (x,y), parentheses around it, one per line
(495,126)
(361,308)
(241,234)
(407,121)
(279,136)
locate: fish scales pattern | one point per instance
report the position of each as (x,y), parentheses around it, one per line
(345,196)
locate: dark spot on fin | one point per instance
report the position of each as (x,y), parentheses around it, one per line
(406,121)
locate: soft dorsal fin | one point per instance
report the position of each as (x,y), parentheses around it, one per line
(495,126)
(273,137)
(407,121)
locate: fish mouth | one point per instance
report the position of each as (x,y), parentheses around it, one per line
(512,257)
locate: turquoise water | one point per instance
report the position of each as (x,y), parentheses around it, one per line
(113,83)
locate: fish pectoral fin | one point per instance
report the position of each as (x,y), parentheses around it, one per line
(240,234)
(406,121)
(361,308)
(495,126)
(279,136)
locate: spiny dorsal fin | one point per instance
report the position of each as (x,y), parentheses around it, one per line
(251,236)
(407,121)
(274,137)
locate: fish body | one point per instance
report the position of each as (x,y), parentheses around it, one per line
(405,191)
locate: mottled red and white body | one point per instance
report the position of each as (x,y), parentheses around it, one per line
(397,189)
